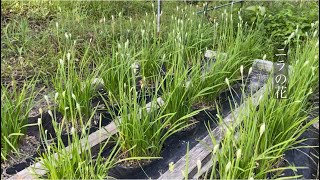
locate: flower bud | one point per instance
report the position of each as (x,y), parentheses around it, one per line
(40,110)
(46,98)
(228,166)
(215,148)
(39,121)
(68,56)
(78,106)
(238,153)
(72,130)
(250,71)
(50,113)
(56,96)
(198,165)
(227,81)
(73,96)
(262,128)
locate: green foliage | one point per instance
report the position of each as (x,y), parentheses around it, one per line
(255,143)
(281,19)
(76,161)
(16,104)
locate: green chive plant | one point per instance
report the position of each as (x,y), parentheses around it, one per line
(181,88)
(16,103)
(143,127)
(74,85)
(255,149)
(76,161)
(234,47)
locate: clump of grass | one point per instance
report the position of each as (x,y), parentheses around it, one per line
(75,87)
(240,45)
(142,128)
(263,135)
(16,103)
(76,161)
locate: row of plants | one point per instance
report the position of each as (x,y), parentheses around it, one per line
(132,70)
(74,85)
(254,146)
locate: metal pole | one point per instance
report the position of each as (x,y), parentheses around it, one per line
(158,18)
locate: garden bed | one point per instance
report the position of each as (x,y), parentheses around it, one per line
(174,147)
(129,102)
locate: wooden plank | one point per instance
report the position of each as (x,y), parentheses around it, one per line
(265,65)
(201,151)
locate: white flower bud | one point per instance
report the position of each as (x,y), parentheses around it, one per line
(228,166)
(78,106)
(262,128)
(238,153)
(61,62)
(46,98)
(66,35)
(39,121)
(215,148)
(50,113)
(73,96)
(72,130)
(198,165)
(227,81)
(264,57)
(315,33)
(68,56)
(250,71)
(40,110)
(171,166)
(291,35)
(56,96)
(241,70)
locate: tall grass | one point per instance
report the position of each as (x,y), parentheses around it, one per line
(74,85)
(254,149)
(16,103)
(77,161)
(241,45)
(143,127)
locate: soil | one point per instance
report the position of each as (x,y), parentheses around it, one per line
(27,149)
(193,124)
(132,163)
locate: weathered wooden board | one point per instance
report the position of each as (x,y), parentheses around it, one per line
(201,151)
(265,65)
